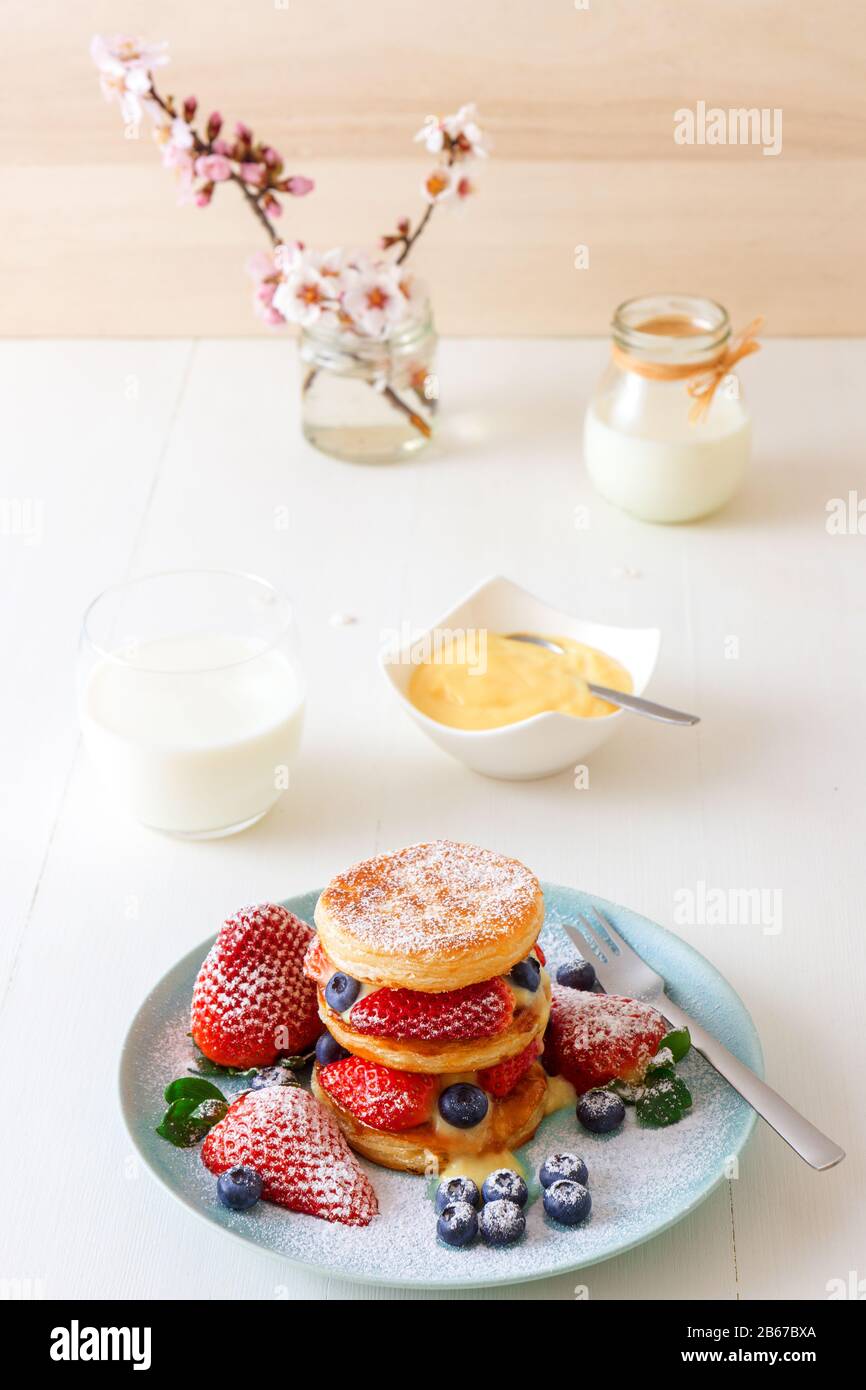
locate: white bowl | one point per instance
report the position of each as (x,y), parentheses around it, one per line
(545,743)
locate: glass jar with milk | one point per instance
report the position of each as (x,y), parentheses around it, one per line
(667,435)
(191,699)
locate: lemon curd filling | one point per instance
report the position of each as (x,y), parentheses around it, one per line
(507,681)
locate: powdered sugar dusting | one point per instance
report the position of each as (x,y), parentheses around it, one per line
(431,897)
(596,1037)
(251,999)
(476,1011)
(291,1140)
(640,1179)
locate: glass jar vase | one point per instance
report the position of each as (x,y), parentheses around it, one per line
(368,401)
(667,435)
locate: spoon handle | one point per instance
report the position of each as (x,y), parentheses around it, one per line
(638,705)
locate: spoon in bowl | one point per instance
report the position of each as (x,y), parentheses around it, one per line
(635,703)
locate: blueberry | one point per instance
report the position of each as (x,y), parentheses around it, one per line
(457,1224)
(239,1188)
(272,1076)
(463,1105)
(576,974)
(505,1183)
(526,974)
(567,1202)
(557,1166)
(341,992)
(329,1050)
(457,1190)
(501,1222)
(600,1112)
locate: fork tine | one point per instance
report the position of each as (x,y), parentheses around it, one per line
(617,941)
(591,937)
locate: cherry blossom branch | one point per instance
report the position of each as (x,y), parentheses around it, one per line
(410,240)
(206,147)
(371,298)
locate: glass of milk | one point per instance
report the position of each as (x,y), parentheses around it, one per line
(191,698)
(642,450)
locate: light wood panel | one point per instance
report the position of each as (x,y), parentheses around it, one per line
(580,104)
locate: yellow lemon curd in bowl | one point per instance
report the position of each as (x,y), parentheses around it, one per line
(504,681)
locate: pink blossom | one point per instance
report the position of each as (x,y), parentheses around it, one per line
(264,268)
(204,195)
(254,174)
(213,167)
(124,76)
(439,184)
(243,132)
(181,134)
(180,160)
(221,147)
(299,186)
(272,206)
(459,133)
(375,301)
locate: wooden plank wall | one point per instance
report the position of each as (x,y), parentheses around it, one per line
(579,99)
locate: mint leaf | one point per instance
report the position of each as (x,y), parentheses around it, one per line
(664,1101)
(192,1088)
(677,1041)
(663,1061)
(179,1125)
(195,1106)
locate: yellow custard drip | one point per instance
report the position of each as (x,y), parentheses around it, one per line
(507,681)
(480,1166)
(560,1093)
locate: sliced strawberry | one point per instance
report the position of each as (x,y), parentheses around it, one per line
(501,1080)
(379,1096)
(542,958)
(476,1011)
(317,967)
(251,1000)
(596,1038)
(289,1138)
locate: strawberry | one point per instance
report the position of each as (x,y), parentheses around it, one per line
(379,1096)
(501,1080)
(251,1001)
(317,967)
(596,1038)
(476,1011)
(297,1149)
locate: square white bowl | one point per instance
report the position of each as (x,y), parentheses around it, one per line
(546,743)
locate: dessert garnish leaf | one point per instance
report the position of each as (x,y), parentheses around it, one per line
(195,1106)
(677,1041)
(665,1099)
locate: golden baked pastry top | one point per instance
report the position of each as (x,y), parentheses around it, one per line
(430,917)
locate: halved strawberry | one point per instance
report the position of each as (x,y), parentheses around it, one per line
(379,1096)
(317,967)
(251,1000)
(501,1080)
(290,1139)
(596,1038)
(476,1011)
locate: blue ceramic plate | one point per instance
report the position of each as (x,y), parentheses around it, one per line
(641,1180)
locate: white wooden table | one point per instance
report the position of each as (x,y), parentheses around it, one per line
(137,456)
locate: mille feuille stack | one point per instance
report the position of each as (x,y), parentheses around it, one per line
(432,988)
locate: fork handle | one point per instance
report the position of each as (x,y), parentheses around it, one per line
(816,1148)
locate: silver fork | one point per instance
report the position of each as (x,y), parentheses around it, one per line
(619,968)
